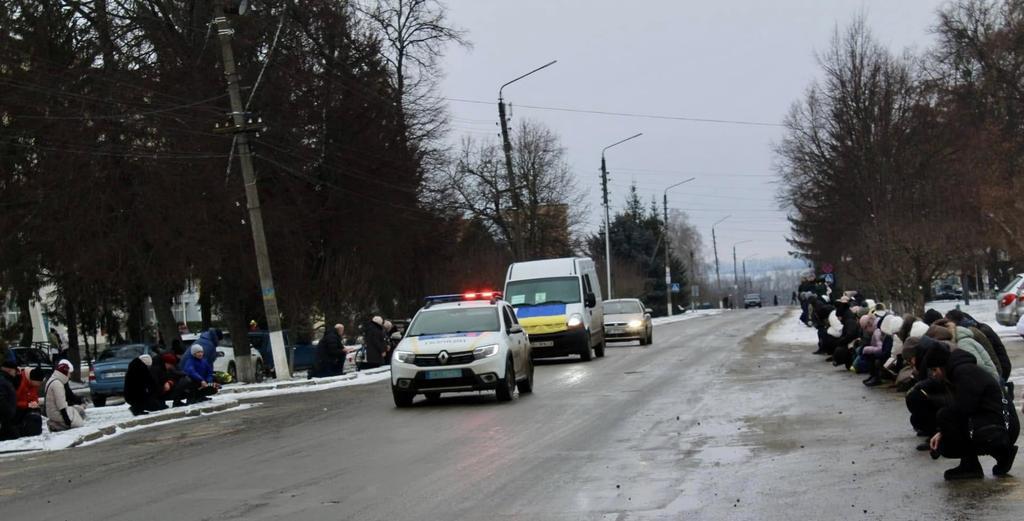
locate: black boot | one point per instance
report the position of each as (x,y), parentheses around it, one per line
(874,381)
(969,468)
(1004,462)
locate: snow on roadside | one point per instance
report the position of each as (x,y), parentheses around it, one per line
(687,316)
(317,384)
(789,330)
(98,419)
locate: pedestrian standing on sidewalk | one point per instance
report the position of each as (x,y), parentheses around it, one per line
(980,420)
(375,343)
(61,411)
(56,348)
(330,354)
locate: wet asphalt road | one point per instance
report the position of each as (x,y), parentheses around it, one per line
(709,422)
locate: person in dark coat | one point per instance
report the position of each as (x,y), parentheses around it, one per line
(166,375)
(843,352)
(979,420)
(140,389)
(330,354)
(374,342)
(931,316)
(8,402)
(928,395)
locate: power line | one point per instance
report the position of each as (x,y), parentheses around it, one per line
(628,114)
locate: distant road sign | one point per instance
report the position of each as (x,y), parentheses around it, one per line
(676,288)
(830,278)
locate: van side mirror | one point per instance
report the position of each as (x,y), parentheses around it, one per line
(515,329)
(590,300)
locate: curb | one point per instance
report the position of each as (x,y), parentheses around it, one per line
(302,383)
(147,420)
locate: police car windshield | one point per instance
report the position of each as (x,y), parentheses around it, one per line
(622,308)
(562,290)
(459,320)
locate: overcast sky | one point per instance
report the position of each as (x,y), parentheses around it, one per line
(722,59)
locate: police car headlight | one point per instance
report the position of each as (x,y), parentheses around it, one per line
(405,356)
(485,351)
(576,320)
(634,324)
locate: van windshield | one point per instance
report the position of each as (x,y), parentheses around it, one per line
(560,290)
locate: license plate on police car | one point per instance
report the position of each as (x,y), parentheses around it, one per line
(441,375)
(546,343)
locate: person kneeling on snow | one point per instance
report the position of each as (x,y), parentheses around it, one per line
(198,382)
(140,389)
(62,411)
(19,405)
(979,420)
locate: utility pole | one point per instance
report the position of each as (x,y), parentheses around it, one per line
(693,285)
(240,127)
(607,213)
(668,269)
(718,274)
(735,275)
(518,250)
(607,229)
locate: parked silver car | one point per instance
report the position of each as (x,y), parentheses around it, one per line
(1009,303)
(627,319)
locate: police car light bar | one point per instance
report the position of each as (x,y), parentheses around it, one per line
(469,295)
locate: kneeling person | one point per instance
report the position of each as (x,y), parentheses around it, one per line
(140,389)
(198,383)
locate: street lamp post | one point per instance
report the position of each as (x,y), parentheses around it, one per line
(668,271)
(607,214)
(714,244)
(746,281)
(735,273)
(517,247)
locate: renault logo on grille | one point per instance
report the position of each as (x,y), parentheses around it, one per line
(442,357)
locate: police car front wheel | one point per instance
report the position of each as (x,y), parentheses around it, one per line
(507,386)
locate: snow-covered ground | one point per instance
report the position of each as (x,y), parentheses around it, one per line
(102,423)
(686,316)
(789,330)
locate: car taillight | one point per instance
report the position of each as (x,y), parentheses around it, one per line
(92,375)
(1008,299)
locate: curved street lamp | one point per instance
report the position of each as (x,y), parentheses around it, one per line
(668,270)
(607,214)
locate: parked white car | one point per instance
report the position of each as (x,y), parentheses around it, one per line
(225,361)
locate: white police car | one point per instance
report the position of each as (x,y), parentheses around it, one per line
(457,343)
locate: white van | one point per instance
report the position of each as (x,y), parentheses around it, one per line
(558,302)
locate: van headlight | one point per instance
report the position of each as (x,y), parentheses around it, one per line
(575,321)
(634,324)
(485,351)
(405,357)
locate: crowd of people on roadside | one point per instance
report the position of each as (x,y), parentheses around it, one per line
(177,375)
(953,369)
(379,340)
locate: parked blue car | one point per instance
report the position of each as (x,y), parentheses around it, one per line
(107,376)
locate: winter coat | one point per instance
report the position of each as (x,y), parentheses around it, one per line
(998,347)
(60,414)
(982,340)
(977,394)
(330,354)
(27,393)
(881,344)
(162,375)
(139,385)
(965,341)
(851,329)
(376,346)
(208,340)
(8,406)
(198,370)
